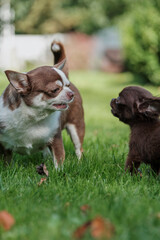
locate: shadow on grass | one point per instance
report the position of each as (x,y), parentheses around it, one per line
(24,161)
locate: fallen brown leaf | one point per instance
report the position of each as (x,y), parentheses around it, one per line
(102,228)
(99,229)
(85,208)
(42,169)
(80,231)
(41,181)
(6,220)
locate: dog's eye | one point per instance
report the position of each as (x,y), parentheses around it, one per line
(55,90)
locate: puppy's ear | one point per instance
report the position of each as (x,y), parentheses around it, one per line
(150,107)
(19,81)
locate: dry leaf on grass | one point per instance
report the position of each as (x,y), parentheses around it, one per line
(80,231)
(99,229)
(41,181)
(6,220)
(42,169)
(85,208)
(102,228)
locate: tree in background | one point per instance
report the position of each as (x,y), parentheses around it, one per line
(50,16)
(140,31)
(139,22)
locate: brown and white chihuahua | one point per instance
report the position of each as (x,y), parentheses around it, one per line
(36,106)
(138,108)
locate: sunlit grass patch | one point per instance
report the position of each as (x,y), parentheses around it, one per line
(52,210)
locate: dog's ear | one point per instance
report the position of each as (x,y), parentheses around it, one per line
(150,107)
(60,65)
(63,66)
(19,81)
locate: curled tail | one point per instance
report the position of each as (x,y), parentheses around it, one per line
(58,51)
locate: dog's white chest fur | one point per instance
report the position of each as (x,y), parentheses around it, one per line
(27,129)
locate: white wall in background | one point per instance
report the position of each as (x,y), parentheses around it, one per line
(16,50)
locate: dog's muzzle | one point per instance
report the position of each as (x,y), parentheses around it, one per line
(113,107)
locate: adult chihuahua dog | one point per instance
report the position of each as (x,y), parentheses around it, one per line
(36,106)
(137,107)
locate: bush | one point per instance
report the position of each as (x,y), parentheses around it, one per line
(140,30)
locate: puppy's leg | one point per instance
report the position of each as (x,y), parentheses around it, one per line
(76,133)
(132,164)
(57,150)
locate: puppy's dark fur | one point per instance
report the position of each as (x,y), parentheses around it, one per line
(137,107)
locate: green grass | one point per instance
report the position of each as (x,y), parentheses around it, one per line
(52,210)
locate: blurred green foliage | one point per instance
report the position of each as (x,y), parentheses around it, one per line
(50,16)
(139,22)
(140,31)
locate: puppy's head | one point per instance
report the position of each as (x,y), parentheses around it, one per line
(45,87)
(135,104)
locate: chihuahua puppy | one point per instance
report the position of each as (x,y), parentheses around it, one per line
(137,107)
(34,109)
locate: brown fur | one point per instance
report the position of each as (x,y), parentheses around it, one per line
(59,56)
(11,98)
(137,107)
(75,114)
(40,80)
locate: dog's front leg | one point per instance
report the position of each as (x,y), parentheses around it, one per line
(132,163)
(57,150)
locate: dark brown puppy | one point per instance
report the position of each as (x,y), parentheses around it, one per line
(137,107)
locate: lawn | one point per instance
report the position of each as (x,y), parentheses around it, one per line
(52,211)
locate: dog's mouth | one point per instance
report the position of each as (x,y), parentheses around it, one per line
(114,113)
(60,106)
(113,108)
